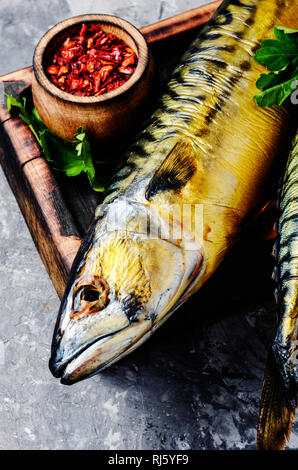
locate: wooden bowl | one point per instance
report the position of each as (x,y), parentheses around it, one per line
(103,117)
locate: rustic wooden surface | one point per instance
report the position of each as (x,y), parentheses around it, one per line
(186,21)
(57,209)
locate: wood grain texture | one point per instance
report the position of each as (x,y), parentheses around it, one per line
(58,209)
(186,21)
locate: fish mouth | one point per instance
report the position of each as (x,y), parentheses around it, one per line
(69,377)
(58,365)
(71,370)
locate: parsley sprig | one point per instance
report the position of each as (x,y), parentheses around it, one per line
(72,158)
(280,56)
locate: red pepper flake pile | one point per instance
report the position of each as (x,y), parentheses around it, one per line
(92,63)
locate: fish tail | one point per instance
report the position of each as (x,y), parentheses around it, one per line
(276,411)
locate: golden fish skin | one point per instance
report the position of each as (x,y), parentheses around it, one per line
(206,147)
(280,386)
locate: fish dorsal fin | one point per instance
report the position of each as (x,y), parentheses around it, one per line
(175,170)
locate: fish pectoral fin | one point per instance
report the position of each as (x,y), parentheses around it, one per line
(276,411)
(175,171)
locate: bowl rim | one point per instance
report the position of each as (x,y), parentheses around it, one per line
(129,28)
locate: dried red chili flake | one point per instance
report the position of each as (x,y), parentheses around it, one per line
(92,62)
(53,70)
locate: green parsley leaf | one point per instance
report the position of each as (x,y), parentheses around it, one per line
(72,158)
(277,53)
(277,94)
(280,57)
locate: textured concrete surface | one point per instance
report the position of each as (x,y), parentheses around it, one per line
(189,387)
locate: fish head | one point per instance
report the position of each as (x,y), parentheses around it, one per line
(122,286)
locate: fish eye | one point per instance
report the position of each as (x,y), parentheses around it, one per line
(91,297)
(90,294)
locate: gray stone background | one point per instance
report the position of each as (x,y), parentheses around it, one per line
(182,390)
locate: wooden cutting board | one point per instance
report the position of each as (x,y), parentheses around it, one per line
(58,210)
